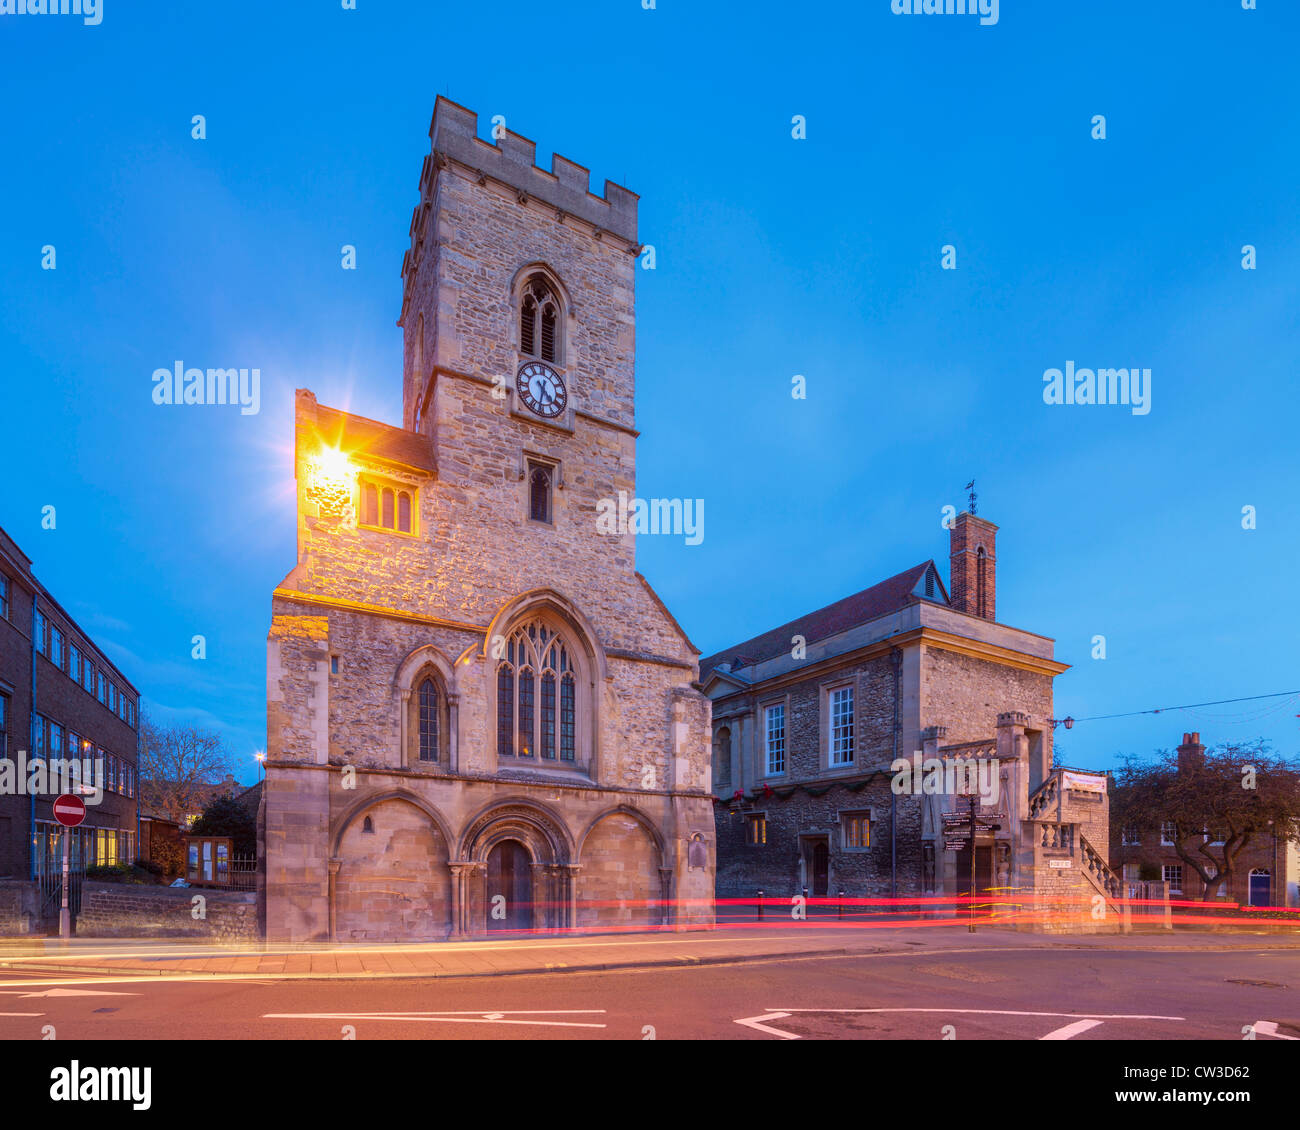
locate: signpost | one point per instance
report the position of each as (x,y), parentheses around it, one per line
(69,811)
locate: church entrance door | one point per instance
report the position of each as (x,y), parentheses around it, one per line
(509,887)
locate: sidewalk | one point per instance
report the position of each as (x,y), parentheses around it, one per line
(522,955)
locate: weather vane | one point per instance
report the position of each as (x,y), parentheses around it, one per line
(970,486)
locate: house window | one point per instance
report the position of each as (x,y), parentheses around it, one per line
(74,662)
(857,830)
(774,726)
(539,492)
(334,664)
(1172,873)
(39,630)
(39,730)
(4,725)
(1129,836)
(56,742)
(756,829)
(103,689)
(841,718)
(56,647)
(1168,833)
(428,721)
(1132,872)
(539,311)
(537,695)
(4,597)
(386,505)
(88,676)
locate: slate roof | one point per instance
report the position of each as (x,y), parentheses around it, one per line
(879,600)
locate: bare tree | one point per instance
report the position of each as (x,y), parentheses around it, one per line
(176,764)
(1218,804)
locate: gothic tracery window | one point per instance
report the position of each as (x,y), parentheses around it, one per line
(537,699)
(539,312)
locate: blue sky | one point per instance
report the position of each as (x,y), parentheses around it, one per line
(775,257)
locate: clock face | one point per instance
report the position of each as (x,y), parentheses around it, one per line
(541,389)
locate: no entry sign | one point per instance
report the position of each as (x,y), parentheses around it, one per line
(69,810)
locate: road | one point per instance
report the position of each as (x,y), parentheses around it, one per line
(929,993)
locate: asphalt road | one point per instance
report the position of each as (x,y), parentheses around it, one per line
(935,992)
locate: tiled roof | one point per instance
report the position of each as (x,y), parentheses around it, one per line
(885,597)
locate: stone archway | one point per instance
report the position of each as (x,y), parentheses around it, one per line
(514,870)
(623,879)
(390,880)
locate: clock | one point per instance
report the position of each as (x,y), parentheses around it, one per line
(541,389)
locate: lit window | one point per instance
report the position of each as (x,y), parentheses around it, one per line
(387,506)
(857,829)
(756,829)
(774,717)
(537,699)
(841,710)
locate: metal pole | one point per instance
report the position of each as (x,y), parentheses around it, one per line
(65,917)
(972,864)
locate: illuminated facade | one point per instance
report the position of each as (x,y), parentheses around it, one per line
(479,714)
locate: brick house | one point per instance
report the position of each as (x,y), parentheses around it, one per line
(1266,872)
(61,698)
(480,715)
(809,717)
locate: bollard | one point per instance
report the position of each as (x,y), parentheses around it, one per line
(841,913)
(760,906)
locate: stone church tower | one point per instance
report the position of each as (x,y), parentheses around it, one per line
(479,715)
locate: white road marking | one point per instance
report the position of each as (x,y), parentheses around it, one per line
(756,1022)
(453,1017)
(1081,1023)
(1269,1028)
(22,1014)
(71,993)
(1071,1030)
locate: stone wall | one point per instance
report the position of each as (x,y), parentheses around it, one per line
(19,907)
(118,910)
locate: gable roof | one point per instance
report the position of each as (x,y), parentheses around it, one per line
(879,600)
(370,440)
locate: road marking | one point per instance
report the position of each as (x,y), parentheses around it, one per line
(22,1014)
(756,1022)
(71,993)
(1269,1028)
(1071,1030)
(453,1017)
(1081,1023)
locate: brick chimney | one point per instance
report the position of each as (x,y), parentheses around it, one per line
(1191,754)
(973,566)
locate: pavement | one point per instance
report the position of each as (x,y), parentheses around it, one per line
(540,954)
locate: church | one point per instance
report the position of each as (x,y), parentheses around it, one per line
(479,714)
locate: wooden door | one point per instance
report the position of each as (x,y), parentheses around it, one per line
(509,887)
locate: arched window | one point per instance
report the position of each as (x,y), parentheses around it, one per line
(722,756)
(537,695)
(539,493)
(429,710)
(539,315)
